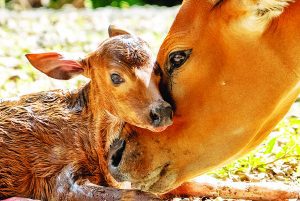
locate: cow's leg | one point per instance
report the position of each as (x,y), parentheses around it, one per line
(210,187)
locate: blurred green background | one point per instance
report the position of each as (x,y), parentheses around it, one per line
(56,4)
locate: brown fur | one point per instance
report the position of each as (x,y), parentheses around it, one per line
(41,134)
(240,80)
(128,52)
(53,145)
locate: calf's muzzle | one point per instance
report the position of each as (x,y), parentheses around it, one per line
(161,116)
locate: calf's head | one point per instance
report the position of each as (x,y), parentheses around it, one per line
(124,80)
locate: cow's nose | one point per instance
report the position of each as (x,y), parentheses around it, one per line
(161,115)
(115,158)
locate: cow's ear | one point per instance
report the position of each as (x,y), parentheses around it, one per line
(116,31)
(55,65)
(252,17)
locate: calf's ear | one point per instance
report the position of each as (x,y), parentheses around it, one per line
(116,31)
(55,65)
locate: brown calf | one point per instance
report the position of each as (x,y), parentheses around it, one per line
(53,145)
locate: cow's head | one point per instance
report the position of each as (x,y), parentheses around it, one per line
(231,70)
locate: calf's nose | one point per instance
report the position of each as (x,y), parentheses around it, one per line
(161,115)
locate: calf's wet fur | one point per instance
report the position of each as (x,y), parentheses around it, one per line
(54,144)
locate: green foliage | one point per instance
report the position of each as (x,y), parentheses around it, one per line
(276,159)
(56,4)
(163,2)
(114,3)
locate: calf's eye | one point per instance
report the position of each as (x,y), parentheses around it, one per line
(116,79)
(177,59)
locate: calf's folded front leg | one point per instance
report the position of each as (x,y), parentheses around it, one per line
(91,192)
(68,188)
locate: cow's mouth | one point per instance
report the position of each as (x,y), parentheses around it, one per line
(151,183)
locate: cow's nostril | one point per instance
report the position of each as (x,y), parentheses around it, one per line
(117,150)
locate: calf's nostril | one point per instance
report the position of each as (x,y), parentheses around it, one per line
(155,117)
(116,152)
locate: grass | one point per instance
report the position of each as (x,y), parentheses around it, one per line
(276,159)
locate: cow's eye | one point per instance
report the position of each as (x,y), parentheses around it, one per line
(177,59)
(116,79)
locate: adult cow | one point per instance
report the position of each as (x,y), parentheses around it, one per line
(232,70)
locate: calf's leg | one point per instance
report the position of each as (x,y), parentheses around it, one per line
(72,186)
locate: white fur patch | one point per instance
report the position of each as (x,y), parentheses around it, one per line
(259,14)
(271,8)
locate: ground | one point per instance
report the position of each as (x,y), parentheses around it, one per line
(79,31)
